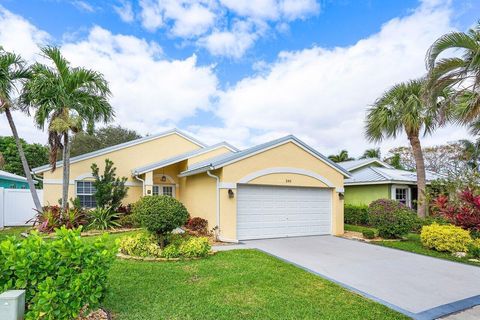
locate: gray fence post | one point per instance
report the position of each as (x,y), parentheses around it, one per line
(12,305)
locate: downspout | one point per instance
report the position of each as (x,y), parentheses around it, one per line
(143,183)
(218,202)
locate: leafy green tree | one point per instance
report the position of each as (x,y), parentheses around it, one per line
(65,99)
(402,110)
(371,153)
(342,156)
(109,189)
(83,142)
(14,72)
(395,161)
(471,152)
(36,155)
(459,73)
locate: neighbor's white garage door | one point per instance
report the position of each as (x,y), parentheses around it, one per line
(272,212)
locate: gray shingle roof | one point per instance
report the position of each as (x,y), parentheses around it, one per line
(220,161)
(181,157)
(120,146)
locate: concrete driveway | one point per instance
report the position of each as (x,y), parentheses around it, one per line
(418,286)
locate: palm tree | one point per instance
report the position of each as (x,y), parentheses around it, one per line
(401,109)
(66,99)
(342,156)
(371,153)
(471,152)
(12,72)
(462,74)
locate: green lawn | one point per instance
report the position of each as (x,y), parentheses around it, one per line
(351,227)
(413,244)
(240,284)
(12,231)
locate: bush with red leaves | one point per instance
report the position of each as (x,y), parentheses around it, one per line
(197,225)
(464,213)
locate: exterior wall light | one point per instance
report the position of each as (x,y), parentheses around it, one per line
(341,195)
(164,178)
(230,193)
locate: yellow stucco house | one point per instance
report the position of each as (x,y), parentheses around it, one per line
(282,188)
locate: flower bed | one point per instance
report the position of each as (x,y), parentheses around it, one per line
(146,247)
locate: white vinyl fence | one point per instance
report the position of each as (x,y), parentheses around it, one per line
(16,207)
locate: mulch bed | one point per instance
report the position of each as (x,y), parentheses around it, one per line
(99,314)
(353,235)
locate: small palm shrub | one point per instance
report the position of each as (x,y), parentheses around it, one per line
(356,214)
(447,238)
(103,219)
(60,276)
(160,215)
(52,218)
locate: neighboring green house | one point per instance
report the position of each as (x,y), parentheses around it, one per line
(12,181)
(373,179)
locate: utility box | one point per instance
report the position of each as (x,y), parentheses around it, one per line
(12,305)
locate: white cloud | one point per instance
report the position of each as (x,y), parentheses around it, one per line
(125,11)
(190,18)
(83,6)
(223,27)
(321,94)
(149,91)
(232,43)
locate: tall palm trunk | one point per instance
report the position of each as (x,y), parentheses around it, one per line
(66,170)
(26,169)
(421,178)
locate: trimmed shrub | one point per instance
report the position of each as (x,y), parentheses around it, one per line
(198,225)
(128,221)
(141,245)
(474,248)
(391,218)
(356,214)
(447,238)
(60,276)
(368,234)
(179,246)
(381,207)
(160,215)
(195,247)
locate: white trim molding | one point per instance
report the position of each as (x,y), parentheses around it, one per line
(227,185)
(274,170)
(340,189)
(72,182)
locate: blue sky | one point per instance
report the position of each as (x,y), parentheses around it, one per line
(243,71)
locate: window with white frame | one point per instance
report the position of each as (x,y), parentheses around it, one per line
(85,192)
(401,194)
(165,190)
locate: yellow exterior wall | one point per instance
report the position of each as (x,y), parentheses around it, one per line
(208,155)
(125,160)
(198,194)
(286,155)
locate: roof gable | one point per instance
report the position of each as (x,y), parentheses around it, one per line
(223,160)
(182,157)
(360,163)
(123,146)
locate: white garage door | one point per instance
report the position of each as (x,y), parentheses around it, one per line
(273,212)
